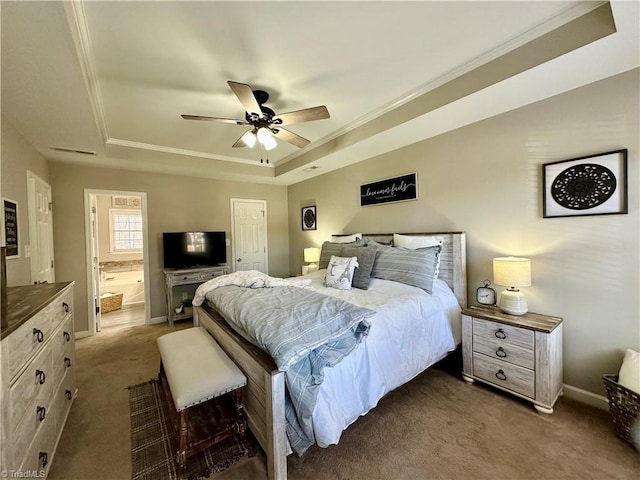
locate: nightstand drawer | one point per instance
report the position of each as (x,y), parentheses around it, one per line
(506,334)
(504,351)
(502,374)
(185,278)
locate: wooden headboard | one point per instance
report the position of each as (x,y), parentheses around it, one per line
(453,258)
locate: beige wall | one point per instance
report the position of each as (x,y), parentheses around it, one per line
(485,179)
(18,156)
(174,203)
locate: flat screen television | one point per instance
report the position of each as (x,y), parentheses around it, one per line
(194,249)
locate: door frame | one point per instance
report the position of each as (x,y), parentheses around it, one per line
(233,202)
(32,178)
(88,193)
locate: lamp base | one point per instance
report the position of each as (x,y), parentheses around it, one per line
(312,267)
(513,302)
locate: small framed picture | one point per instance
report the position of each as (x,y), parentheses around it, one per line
(10,212)
(309,218)
(593,185)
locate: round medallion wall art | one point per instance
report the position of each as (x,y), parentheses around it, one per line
(309,218)
(594,185)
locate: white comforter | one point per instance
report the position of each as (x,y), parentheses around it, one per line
(410,331)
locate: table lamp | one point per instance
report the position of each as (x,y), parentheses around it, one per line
(512,272)
(311,256)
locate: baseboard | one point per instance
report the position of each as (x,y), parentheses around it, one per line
(155,320)
(84,333)
(580,395)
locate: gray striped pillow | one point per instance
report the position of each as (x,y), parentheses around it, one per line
(412,267)
(331,248)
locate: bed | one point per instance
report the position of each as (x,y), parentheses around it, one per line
(365,375)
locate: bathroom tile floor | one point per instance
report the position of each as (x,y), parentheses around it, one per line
(127,316)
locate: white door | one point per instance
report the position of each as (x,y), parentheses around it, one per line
(40,229)
(95,265)
(249,233)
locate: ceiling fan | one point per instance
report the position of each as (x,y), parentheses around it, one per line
(264,122)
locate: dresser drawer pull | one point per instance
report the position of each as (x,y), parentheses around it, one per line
(67,337)
(500,334)
(42,377)
(39,334)
(43,458)
(67,361)
(65,307)
(67,393)
(501,353)
(42,413)
(500,375)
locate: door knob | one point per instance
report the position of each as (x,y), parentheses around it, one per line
(239,260)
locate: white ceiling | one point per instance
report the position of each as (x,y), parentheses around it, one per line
(114,77)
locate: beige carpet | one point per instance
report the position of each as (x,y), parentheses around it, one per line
(436,427)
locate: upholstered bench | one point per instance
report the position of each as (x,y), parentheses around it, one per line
(204,387)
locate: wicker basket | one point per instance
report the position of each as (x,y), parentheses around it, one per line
(110,302)
(624,406)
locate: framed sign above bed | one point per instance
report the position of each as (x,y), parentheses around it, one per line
(390,190)
(593,185)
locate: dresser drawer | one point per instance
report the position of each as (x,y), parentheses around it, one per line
(208,275)
(38,416)
(33,334)
(63,399)
(185,278)
(500,373)
(503,342)
(35,384)
(39,455)
(64,350)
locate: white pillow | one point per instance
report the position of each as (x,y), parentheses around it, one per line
(414,242)
(346,238)
(629,376)
(340,272)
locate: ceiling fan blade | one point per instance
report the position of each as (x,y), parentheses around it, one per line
(214,119)
(292,138)
(305,115)
(246,97)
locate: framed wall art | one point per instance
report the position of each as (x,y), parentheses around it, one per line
(309,218)
(10,212)
(389,190)
(593,185)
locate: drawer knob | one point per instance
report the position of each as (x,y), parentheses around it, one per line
(501,353)
(65,307)
(43,458)
(500,334)
(67,361)
(39,334)
(42,377)
(67,337)
(67,393)
(41,412)
(501,376)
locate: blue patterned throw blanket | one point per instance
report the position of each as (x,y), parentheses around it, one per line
(304,331)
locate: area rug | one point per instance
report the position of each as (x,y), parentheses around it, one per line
(151,453)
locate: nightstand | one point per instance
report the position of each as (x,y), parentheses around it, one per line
(521,355)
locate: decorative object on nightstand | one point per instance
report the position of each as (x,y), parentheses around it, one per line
(512,272)
(486,295)
(312,257)
(521,355)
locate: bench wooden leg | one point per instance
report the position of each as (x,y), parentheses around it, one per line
(181,459)
(241,420)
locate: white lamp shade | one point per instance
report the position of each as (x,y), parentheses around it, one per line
(249,139)
(512,271)
(312,255)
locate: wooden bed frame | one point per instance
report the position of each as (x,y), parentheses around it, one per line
(265,392)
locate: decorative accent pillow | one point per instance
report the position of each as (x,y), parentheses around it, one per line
(340,272)
(366,257)
(332,248)
(413,242)
(629,376)
(354,237)
(412,267)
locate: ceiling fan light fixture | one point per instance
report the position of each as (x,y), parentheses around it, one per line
(266,139)
(249,139)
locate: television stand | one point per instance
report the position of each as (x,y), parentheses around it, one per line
(181,285)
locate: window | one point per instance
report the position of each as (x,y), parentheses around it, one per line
(126,230)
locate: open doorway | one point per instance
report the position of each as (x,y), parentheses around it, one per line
(117,252)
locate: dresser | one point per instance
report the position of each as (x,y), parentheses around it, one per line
(521,355)
(181,284)
(37,373)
